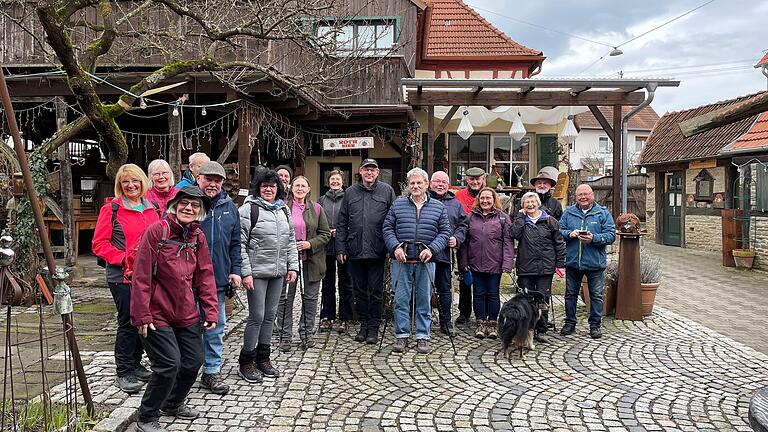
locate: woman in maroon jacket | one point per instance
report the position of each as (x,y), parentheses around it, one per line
(487,252)
(171,274)
(121,222)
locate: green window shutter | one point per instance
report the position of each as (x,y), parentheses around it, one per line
(546,151)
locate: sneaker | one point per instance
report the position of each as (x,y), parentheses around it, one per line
(267,370)
(373,337)
(362,335)
(461,320)
(491,329)
(325,325)
(399,345)
(153,426)
(342,327)
(567,329)
(285,346)
(422,346)
(250,373)
(182,411)
(479,329)
(141,373)
(215,383)
(595,333)
(129,383)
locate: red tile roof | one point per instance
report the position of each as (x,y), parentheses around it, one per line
(763,61)
(756,139)
(453,29)
(644,120)
(667,143)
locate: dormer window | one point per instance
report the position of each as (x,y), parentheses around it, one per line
(705,186)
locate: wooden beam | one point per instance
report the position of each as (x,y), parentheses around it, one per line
(724,116)
(477,90)
(312,116)
(601,119)
(174,147)
(536,98)
(286,105)
(616,203)
(244,128)
(441,127)
(525,90)
(65,183)
(231,143)
(431,139)
(578,90)
(301,111)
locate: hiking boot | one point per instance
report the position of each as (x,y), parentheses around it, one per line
(250,373)
(491,329)
(215,383)
(595,333)
(267,369)
(141,373)
(568,329)
(342,327)
(422,346)
(153,426)
(362,335)
(182,411)
(538,337)
(285,346)
(373,337)
(479,329)
(129,383)
(307,343)
(325,325)
(461,320)
(448,329)
(399,345)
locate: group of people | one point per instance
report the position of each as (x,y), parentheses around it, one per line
(173,251)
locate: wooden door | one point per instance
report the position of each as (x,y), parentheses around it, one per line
(672,208)
(731,234)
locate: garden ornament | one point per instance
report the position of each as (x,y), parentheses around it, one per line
(628,223)
(62,300)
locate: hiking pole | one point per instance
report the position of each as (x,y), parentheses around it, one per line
(434,288)
(391,302)
(286,288)
(303,302)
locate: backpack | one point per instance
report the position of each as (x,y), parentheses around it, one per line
(502,219)
(130,255)
(101,262)
(255,216)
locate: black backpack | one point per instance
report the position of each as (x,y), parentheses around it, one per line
(255,218)
(101,262)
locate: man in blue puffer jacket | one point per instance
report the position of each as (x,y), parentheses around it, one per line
(416,228)
(588,228)
(222,232)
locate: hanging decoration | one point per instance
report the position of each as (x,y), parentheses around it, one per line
(26,117)
(517,131)
(569,133)
(465,129)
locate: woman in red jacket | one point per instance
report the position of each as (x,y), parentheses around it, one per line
(161,184)
(121,222)
(172,274)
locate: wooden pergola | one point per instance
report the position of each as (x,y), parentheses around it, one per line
(591,93)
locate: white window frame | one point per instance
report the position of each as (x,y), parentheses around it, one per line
(348,37)
(603,144)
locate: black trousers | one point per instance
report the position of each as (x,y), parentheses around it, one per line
(443,284)
(128,348)
(346,292)
(176,355)
(542,284)
(368,277)
(465,299)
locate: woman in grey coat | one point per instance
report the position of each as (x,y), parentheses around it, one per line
(270,260)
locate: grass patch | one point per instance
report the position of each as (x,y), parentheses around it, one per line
(96,307)
(30,417)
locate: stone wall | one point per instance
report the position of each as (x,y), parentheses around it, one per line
(761,243)
(650,206)
(704,232)
(718,186)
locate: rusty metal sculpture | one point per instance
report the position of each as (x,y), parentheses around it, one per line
(628,223)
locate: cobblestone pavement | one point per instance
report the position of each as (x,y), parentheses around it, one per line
(729,301)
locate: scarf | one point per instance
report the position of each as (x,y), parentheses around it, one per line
(273,206)
(531,222)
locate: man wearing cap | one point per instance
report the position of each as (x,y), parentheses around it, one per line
(544,181)
(475,178)
(189,176)
(359,240)
(222,232)
(285,173)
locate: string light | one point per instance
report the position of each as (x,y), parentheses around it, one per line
(203,112)
(142,103)
(176,109)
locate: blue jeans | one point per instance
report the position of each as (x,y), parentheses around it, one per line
(486,295)
(213,345)
(413,281)
(596,282)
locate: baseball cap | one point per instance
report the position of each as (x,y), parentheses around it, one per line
(369,162)
(212,168)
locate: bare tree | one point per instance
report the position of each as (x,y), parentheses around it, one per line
(239,41)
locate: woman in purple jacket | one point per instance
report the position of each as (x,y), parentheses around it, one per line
(487,252)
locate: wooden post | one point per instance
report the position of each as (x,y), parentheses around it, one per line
(65,179)
(629,303)
(174,145)
(616,200)
(430,140)
(244,147)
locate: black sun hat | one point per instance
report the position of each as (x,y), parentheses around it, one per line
(191,192)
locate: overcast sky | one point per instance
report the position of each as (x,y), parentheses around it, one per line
(711,51)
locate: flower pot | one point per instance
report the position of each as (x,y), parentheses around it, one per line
(609,297)
(744,258)
(648,296)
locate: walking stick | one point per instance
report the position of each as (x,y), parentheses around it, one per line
(434,288)
(285,308)
(386,316)
(303,302)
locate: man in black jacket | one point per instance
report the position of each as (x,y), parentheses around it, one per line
(359,239)
(544,182)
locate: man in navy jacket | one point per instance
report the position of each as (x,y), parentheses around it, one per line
(222,232)
(415,230)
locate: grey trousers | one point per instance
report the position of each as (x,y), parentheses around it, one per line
(308,310)
(262,308)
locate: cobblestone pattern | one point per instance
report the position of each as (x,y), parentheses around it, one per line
(667,373)
(704,232)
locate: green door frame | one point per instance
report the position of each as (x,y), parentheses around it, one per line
(672,208)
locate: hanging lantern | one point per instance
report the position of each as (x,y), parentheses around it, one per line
(517,131)
(569,133)
(465,129)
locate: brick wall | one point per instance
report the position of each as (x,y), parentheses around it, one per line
(650,206)
(761,243)
(704,232)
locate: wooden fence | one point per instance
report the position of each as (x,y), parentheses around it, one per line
(635,193)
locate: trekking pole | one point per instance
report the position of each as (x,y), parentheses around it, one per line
(552,308)
(434,289)
(303,302)
(392,300)
(285,308)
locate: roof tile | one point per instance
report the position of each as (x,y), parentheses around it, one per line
(755,139)
(644,120)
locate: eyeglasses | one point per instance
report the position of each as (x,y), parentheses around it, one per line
(184,203)
(440,181)
(267,186)
(159,174)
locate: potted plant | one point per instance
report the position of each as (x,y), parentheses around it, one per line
(744,258)
(650,279)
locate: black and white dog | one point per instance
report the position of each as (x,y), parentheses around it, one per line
(517,321)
